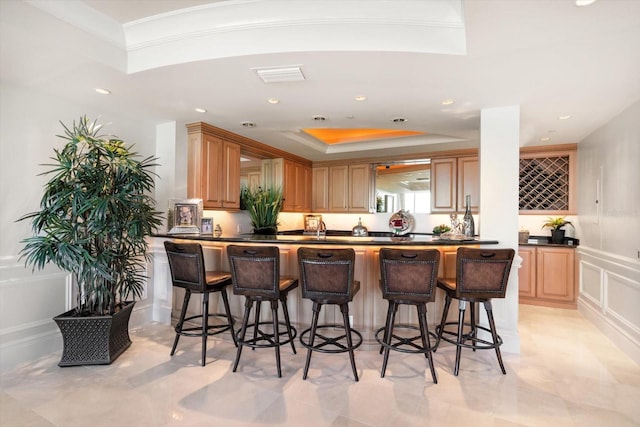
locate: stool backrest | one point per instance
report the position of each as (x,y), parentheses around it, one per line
(409,274)
(483,273)
(186,263)
(326,272)
(255,270)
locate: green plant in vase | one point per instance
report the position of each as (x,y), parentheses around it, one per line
(264,206)
(556,224)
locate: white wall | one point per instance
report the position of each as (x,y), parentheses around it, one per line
(609,251)
(29,123)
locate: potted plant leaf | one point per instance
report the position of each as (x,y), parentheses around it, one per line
(94,217)
(556,224)
(264,206)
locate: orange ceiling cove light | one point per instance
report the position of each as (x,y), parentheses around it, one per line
(341,136)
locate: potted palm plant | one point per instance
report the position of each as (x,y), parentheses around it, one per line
(94,217)
(556,224)
(263,206)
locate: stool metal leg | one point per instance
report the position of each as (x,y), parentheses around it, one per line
(462,305)
(391,320)
(243,330)
(424,332)
(494,334)
(227,310)
(183,313)
(312,336)
(345,316)
(256,321)
(472,321)
(285,309)
(386,330)
(205,326)
(440,329)
(276,335)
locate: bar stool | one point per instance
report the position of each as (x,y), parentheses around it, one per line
(407,276)
(186,263)
(481,274)
(255,271)
(327,278)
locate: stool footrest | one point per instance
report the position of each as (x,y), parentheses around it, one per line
(196,331)
(267,338)
(476,342)
(334,341)
(405,341)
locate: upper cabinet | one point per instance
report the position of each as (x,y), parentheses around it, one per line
(452,178)
(343,189)
(213,170)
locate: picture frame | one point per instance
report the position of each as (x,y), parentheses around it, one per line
(185,216)
(206,226)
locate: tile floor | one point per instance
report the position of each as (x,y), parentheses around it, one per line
(568,374)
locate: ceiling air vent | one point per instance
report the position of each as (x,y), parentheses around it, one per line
(291,73)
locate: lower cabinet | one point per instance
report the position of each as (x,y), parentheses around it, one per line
(547,276)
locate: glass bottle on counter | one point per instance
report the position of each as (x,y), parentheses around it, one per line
(467,220)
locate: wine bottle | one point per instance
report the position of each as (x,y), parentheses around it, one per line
(469,226)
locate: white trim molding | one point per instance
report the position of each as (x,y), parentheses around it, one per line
(610,297)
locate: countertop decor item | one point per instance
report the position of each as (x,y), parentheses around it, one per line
(264,206)
(401,223)
(556,224)
(94,218)
(360,230)
(439,229)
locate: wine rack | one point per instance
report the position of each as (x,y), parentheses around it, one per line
(544,183)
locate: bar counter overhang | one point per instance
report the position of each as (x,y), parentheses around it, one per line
(368,310)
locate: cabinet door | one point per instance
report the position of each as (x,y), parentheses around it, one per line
(230,171)
(468,182)
(339,189)
(305,188)
(359,188)
(320,193)
(527,271)
(289,186)
(555,275)
(443,185)
(205,160)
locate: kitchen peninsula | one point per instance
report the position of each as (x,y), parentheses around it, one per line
(368,309)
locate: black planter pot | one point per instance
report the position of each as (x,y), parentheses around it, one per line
(557,236)
(265,230)
(94,340)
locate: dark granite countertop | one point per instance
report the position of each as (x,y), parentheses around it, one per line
(570,242)
(332,238)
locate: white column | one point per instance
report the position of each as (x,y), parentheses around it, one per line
(499,164)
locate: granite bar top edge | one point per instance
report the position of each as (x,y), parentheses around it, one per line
(417,240)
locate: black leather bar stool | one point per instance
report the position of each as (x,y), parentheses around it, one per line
(186,262)
(407,276)
(481,275)
(255,271)
(327,278)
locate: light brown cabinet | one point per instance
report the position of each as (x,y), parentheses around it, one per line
(342,189)
(451,179)
(296,187)
(547,276)
(213,170)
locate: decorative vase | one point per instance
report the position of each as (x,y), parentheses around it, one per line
(266,230)
(557,236)
(94,340)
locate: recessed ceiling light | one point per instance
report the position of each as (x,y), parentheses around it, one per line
(273,101)
(201,110)
(581,3)
(248,124)
(360,98)
(103,91)
(545,138)
(564,117)
(399,119)
(319,118)
(447,102)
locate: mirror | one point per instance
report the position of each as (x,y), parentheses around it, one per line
(250,171)
(403,185)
